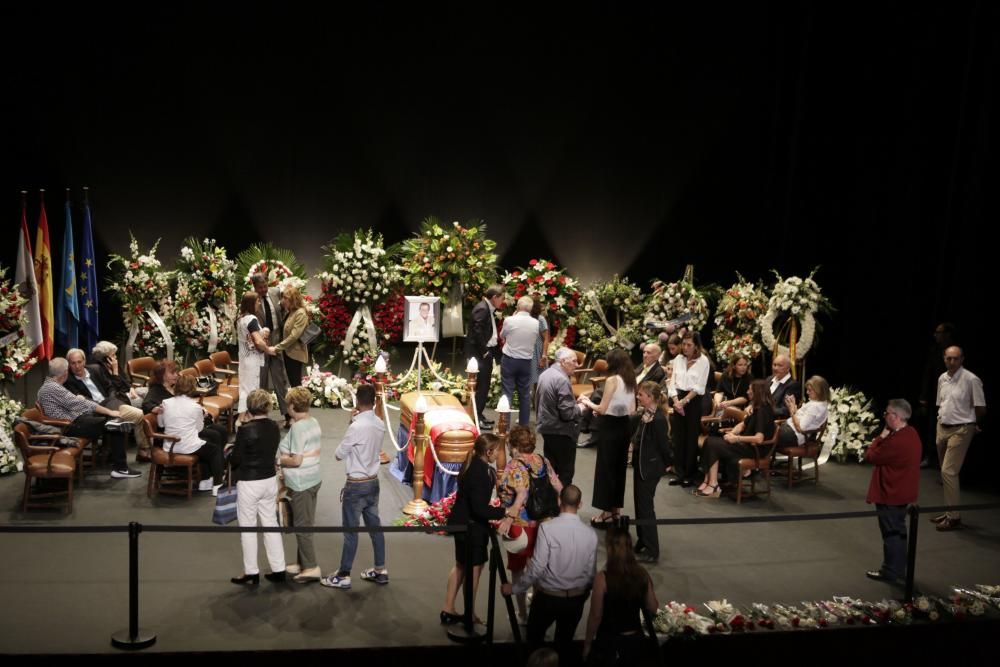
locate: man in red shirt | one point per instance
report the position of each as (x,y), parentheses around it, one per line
(896,455)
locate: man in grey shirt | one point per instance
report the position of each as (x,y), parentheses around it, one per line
(561,570)
(559,414)
(520,332)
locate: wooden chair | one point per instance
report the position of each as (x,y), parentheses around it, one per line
(760,464)
(205,367)
(808,450)
(586,380)
(223,360)
(139,370)
(161,477)
(218,404)
(87,454)
(44,462)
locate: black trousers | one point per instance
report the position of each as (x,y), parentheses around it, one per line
(892,525)
(560,450)
(92,426)
(612,463)
(643,492)
(293,369)
(210,454)
(685,429)
(565,613)
(483,381)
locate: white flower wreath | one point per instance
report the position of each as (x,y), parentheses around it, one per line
(799,299)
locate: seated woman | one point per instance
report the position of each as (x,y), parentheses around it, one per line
(515,483)
(621,591)
(808,417)
(181,416)
(162,384)
(734,386)
(738,443)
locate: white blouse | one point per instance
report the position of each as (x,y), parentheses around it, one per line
(689,379)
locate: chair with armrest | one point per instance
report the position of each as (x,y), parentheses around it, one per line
(139,370)
(165,464)
(218,403)
(761,463)
(44,461)
(810,449)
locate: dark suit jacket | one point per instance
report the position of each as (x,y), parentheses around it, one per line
(114,388)
(789,388)
(473,498)
(480,330)
(652,451)
(655,374)
(277,314)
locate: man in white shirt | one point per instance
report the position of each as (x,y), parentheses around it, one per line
(520,332)
(561,570)
(359,451)
(481,345)
(961,409)
(422,326)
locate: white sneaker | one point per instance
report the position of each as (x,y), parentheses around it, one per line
(215,489)
(205,484)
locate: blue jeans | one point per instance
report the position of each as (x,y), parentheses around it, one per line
(517,372)
(360,499)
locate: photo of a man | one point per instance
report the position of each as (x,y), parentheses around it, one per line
(422,319)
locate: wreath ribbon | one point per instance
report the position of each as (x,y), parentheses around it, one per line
(213,330)
(159,324)
(362,317)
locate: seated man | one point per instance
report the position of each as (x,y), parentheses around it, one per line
(101,383)
(85,416)
(649,370)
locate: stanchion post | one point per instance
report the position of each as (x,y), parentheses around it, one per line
(911,550)
(134,638)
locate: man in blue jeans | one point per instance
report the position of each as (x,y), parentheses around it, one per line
(359,450)
(520,332)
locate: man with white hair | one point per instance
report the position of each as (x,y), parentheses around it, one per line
(558,414)
(782,384)
(85,416)
(520,333)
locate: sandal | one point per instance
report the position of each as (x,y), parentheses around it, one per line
(714,493)
(598,522)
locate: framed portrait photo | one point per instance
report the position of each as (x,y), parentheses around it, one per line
(421,322)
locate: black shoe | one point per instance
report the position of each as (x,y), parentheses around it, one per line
(648,558)
(687,483)
(247,580)
(587,443)
(639,548)
(878,575)
(276,577)
(450,619)
(486,423)
(676,481)
(125,473)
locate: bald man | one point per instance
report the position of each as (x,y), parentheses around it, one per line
(782,385)
(961,410)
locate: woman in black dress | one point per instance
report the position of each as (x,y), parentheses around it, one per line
(734,385)
(476,483)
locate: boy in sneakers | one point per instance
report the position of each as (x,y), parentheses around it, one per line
(360,451)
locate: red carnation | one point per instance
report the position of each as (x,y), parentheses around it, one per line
(552,291)
(549,266)
(532,262)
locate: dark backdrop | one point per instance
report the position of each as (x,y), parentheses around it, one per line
(614,137)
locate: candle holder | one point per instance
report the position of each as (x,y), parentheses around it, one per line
(502,429)
(418,505)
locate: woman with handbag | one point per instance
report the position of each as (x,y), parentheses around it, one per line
(295,351)
(299,458)
(515,486)
(476,483)
(622,590)
(253,461)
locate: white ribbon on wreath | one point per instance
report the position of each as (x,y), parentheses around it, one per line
(451,314)
(133,333)
(807,327)
(362,317)
(213,330)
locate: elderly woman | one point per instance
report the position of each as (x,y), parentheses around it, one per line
(253,459)
(252,341)
(806,418)
(183,417)
(300,450)
(162,386)
(515,483)
(476,483)
(617,405)
(738,443)
(118,392)
(295,351)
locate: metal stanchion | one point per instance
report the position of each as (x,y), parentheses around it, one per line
(911,550)
(134,638)
(466,632)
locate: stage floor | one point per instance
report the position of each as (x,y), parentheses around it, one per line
(68,593)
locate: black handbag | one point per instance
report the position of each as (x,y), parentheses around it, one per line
(543,501)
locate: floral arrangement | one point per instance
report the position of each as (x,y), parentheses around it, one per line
(359,269)
(278,264)
(560,296)
(205,279)
(328,390)
(10,409)
(366,375)
(388,316)
(439,257)
(15,357)
(792,307)
(141,285)
(611,316)
(737,321)
(436,515)
(672,300)
(850,423)
(436,378)
(677,619)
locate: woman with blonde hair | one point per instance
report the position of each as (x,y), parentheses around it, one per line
(808,417)
(650,459)
(300,454)
(296,320)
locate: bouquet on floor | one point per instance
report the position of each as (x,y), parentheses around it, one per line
(737,321)
(328,390)
(15,357)
(611,316)
(676,619)
(436,515)
(143,287)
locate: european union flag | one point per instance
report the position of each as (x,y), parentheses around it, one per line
(67,311)
(88,281)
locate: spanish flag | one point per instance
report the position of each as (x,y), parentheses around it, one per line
(43,274)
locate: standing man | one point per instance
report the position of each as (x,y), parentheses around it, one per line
(561,570)
(945,335)
(481,344)
(359,450)
(558,414)
(271,316)
(895,480)
(961,410)
(520,333)
(782,385)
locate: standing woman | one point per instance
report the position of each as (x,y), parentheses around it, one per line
(300,452)
(250,338)
(296,353)
(476,483)
(687,386)
(540,360)
(617,405)
(650,458)
(253,461)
